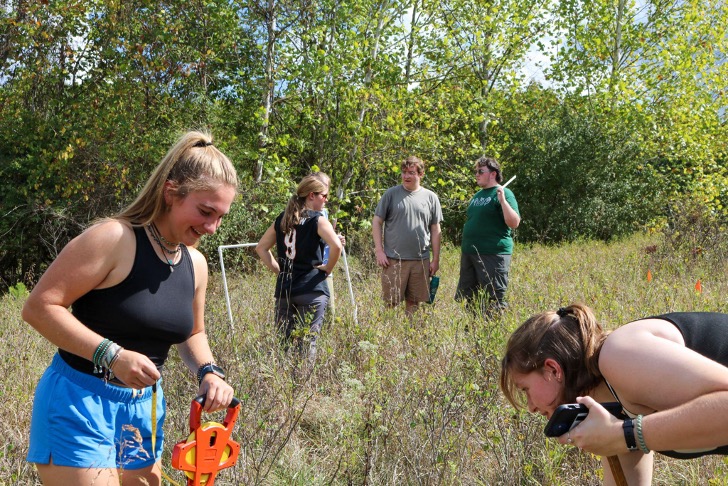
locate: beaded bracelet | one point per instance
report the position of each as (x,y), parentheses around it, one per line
(100,351)
(202,367)
(111,351)
(640,438)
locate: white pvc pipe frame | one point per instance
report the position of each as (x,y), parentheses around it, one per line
(248,245)
(224,278)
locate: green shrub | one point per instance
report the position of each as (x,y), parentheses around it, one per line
(696,231)
(18,291)
(577,176)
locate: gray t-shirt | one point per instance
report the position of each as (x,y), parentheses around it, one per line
(407,219)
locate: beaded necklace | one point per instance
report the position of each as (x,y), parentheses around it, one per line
(165,240)
(157,237)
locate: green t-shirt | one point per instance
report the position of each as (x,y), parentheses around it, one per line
(485,231)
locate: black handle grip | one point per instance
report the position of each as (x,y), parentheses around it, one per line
(233,403)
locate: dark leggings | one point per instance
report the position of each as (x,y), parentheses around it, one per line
(300,311)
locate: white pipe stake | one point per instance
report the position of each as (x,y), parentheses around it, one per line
(348,280)
(509,181)
(224,278)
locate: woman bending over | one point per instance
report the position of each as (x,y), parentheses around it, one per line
(669,372)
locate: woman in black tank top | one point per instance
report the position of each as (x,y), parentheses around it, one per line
(114,301)
(668,372)
(300,236)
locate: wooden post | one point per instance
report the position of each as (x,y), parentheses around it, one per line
(617,471)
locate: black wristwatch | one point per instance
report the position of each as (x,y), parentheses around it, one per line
(209,368)
(628,428)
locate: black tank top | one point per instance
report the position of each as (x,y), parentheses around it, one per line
(147,312)
(706,333)
(299,252)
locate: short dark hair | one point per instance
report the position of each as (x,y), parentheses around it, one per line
(492,164)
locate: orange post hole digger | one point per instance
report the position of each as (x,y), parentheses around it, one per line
(209,448)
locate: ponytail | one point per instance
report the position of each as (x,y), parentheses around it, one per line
(292,214)
(192,164)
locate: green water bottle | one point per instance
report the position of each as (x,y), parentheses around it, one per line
(434,283)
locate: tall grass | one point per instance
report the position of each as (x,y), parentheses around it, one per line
(394,401)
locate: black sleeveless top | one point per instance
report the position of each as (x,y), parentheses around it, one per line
(147,312)
(299,252)
(706,333)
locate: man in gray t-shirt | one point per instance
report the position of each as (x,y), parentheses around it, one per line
(406,226)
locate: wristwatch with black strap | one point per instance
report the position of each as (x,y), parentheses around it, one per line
(209,368)
(629,438)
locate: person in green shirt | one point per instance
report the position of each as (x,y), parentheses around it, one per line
(487,244)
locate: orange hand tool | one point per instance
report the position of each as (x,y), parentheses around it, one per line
(209,448)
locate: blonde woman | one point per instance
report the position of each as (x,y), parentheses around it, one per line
(300,235)
(114,301)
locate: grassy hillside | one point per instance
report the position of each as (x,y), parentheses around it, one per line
(392,401)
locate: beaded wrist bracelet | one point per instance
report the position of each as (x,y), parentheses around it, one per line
(111,352)
(105,356)
(100,351)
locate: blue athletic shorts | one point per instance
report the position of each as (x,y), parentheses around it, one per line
(81,421)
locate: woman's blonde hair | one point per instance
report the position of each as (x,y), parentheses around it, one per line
(310,184)
(322,176)
(192,164)
(571,336)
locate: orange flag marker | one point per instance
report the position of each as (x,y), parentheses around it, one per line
(649,275)
(698,286)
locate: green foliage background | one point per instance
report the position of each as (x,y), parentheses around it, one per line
(629,118)
(626,131)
